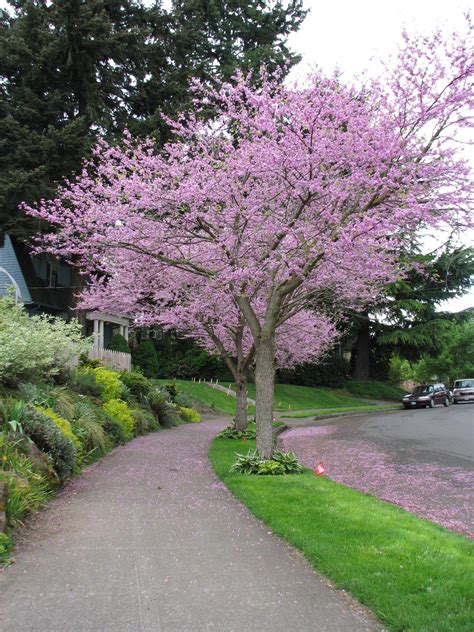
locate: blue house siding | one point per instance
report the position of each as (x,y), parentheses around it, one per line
(9,261)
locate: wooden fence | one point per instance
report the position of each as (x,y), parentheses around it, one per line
(114,359)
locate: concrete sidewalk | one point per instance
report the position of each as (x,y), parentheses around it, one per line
(149,540)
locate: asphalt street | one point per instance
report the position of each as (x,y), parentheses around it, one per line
(421,460)
(446,432)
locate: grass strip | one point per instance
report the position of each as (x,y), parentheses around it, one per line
(414,575)
(348,409)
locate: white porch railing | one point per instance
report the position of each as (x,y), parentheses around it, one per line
(114,359)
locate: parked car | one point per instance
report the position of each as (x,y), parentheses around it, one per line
(427,395)
(463,390)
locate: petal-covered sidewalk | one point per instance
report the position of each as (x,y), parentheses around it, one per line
(149,540)
(444,495)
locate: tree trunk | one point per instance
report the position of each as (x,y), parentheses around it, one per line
(362,362)
(264,386)
(241,403)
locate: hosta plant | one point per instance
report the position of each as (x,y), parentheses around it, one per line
(281,463)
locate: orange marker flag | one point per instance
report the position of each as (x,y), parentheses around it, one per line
(319,469)
(245,438)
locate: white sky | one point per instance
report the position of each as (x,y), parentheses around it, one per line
(354,35)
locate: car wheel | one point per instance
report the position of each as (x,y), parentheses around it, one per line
(446,402)
(431,404)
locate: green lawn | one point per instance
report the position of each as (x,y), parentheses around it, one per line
(208,396)
(348,409)
(288,397)
(292,397)
(414,575)
(373,389)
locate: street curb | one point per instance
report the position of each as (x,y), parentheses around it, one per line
(348,414)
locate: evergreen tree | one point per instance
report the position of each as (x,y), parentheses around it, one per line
(210,40)
(67,72)
(145,358)
(74,70)
(407,321)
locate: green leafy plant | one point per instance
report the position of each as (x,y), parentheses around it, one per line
(110,381)
(247,463)
(144,420)
(230,432)
(172,389)
(189,415)
(36,347)
(144,357)
(183,399)
(11,412)
(118,343)
(289,462)
(83,381)
(166,413)
(49,439)
(281,463)
(6,545)
(27,489)
(137,383)
(119,410)
(64,425)
(88,426)
(58,398)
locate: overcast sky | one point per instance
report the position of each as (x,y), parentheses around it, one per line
(354,36)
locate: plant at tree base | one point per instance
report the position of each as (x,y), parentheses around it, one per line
(280,463)
(231,432)
(292,195)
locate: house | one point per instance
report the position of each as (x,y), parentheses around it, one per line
(48,286)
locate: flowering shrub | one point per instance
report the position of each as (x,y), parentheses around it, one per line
(110,381)
(36,346)
(189,415)
(118,410)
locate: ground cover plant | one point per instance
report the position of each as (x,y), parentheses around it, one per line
(413,574)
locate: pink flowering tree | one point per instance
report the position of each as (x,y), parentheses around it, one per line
(291,194)
(208,315)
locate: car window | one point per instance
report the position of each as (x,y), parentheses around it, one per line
(464,384)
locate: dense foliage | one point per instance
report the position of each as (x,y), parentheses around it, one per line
(145,358)
(72,71)
(39,346)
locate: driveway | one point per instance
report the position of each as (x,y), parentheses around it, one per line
(421,460)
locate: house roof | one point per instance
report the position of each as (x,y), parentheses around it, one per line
(10,271)
(33,289)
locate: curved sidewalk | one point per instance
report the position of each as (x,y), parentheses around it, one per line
(149,540)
